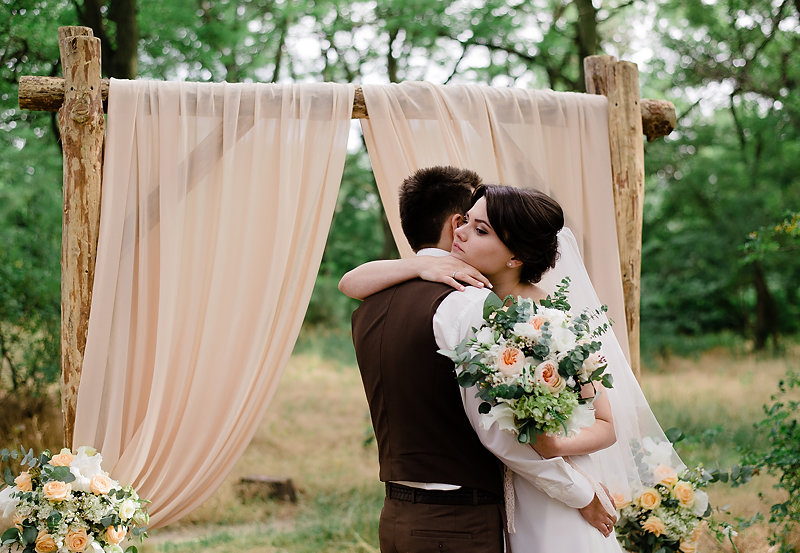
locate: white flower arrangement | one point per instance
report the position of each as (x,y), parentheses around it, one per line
(670,513)
(66,503)
(529,362)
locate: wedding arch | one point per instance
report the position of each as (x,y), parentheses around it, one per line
(303,204)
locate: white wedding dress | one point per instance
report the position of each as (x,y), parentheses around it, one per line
(546,525)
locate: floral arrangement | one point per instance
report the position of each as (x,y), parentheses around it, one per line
(670,514)
(529,362)
(67,503)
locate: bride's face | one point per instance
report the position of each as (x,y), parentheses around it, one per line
(476,242)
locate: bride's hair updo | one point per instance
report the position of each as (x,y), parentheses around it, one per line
(527,222)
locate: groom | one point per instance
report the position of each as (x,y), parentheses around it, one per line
(444,489)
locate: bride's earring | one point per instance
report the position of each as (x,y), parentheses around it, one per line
(509,264)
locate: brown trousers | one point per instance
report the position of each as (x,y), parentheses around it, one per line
(407,527)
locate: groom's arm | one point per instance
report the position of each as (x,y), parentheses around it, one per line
(453,321)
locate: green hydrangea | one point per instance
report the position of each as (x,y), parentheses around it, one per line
(549,411)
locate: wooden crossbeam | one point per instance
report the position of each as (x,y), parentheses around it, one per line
(47,94)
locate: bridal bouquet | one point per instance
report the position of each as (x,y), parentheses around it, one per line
(67,503)
(669,515)
(529,361)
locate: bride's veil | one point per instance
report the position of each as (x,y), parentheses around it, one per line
(626,466)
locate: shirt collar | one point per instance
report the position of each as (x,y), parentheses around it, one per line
(436,252)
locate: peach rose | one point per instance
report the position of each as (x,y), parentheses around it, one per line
(649,499)
(100,484)
(688,546)
(665,475)
(23,481)
(654,525)
(77,540)
(114,535)
(63,459)
(45,543)
(547,375)
(684,493)
(510,361)
(56,490)
(619,500)
(537,321)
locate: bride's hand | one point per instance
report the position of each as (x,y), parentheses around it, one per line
(451,271)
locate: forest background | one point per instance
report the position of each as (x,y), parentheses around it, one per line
(720,264)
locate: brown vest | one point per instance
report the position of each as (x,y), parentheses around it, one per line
(422,431)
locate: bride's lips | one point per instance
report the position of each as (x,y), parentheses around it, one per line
(457,247)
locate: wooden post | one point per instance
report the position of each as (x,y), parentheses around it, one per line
(619,82)
(81,123)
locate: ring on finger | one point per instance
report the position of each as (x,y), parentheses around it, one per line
(454,274)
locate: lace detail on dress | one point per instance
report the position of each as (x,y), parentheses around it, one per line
(509,497)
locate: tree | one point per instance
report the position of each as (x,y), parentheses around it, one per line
(731,167)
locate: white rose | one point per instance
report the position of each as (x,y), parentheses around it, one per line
(700,503)
(591,364)
(555,317)
(563,338)
(85,466)
(8,505)
(500,414)
(485,336)
(126,509)
(658,453)
(527,331)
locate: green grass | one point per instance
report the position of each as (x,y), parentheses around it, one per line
(327,523)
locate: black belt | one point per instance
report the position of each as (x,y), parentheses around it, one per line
(460,496)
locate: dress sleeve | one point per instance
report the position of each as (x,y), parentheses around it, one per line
(453,321)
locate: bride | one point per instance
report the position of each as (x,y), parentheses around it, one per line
(514,237)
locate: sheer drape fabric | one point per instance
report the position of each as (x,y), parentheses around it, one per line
(217,200)
(556,142)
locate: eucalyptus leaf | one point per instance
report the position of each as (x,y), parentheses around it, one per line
(674,435)
(11,535)
(29,534)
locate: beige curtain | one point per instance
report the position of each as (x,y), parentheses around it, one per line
(217,199)
(556,142)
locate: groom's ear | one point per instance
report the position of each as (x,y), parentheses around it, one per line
(456,220)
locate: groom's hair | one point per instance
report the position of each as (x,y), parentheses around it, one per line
(429,196)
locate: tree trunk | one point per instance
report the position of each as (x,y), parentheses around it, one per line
(765,309)
(119,60)
(124,62)
(586,38)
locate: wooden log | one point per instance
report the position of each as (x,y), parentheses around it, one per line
(658,118)
(619,82)
(82,126)
(47,94)
(267,487)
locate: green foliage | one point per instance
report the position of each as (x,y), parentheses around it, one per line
(781,425)
(30,203)
(731,166)
(773,240)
